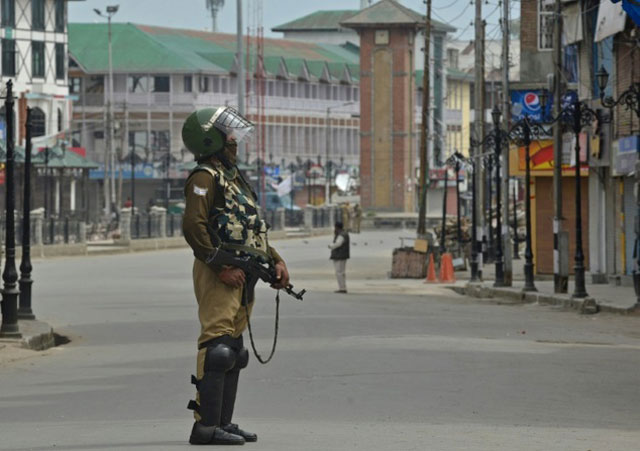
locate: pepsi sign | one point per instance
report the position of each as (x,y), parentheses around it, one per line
(527,103)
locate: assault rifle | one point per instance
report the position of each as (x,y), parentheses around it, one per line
(254,270)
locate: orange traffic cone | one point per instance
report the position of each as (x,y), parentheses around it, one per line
(446,269)
(431,271)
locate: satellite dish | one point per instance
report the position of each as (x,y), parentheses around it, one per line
(342,182)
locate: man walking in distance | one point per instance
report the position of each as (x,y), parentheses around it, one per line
(221,212)
(340,254)
(357,218)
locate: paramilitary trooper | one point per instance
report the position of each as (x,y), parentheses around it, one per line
(221,213)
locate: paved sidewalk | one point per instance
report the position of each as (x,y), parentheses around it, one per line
(601,297)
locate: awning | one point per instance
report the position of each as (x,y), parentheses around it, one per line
(572,25)
(611,20)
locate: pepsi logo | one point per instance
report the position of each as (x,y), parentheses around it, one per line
(532,101)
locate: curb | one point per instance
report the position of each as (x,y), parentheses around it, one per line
(36,335)
(585,306)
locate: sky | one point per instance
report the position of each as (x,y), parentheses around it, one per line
(193,14)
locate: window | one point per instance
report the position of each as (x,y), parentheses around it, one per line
(37,59)
(74,85)
(95,84)
(161,83)
(60,16)
(204,83)
(138,84)
(38,122)
(8,12)
(188,83)
(37,15)
(224,85)
(60,120)
(545,25)
(9,57)
(60,59)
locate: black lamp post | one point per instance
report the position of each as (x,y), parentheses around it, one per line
(499,137)
(577,115)
(24,310)
(516,241)
(488,249)
(9,327)
(475,274)
(458,163)
(630,98)
(443,247)
(521,133)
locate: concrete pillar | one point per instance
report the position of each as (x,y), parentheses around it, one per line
(37,219)
(332,216)
(72,195)
(161,214)
(125,224)
(82,232)
(57,196)
(280,218)
(308,217)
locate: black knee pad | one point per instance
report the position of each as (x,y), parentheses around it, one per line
(242,359)
(219,358)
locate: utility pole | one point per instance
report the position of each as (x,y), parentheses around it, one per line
(479,123)
(506,121)
(241,80)
(560,238)
(424,132)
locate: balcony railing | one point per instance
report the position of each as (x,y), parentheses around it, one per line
(163,99)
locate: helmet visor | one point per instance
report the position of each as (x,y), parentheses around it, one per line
(232,124)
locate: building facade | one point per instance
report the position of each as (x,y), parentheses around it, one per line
(301,96)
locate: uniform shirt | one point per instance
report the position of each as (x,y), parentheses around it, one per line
(202,193)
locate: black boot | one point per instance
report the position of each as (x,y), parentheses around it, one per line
(218,360)
(229,397)
(213,435)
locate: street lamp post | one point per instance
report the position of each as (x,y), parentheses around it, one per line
(110,157)
(475,276)
(25,283)
(488,249)
(577,115)
(499,262)
(630,98)
(521,133)
(443,247)
(459,224)
(516,241)
(9,306)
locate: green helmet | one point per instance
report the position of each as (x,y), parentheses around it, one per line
(205,131)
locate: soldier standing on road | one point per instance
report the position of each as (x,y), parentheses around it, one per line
(357,218)
(346,216)
(221,213)
(339,255)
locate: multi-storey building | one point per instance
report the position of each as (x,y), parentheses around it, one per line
(34,56)
(162,74)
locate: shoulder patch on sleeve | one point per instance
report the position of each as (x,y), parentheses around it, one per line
(200,191)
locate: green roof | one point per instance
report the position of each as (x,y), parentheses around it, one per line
(318,21)
(149,49)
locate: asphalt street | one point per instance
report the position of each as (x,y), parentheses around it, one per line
(381,368)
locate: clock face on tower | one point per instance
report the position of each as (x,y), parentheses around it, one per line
(382,37)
